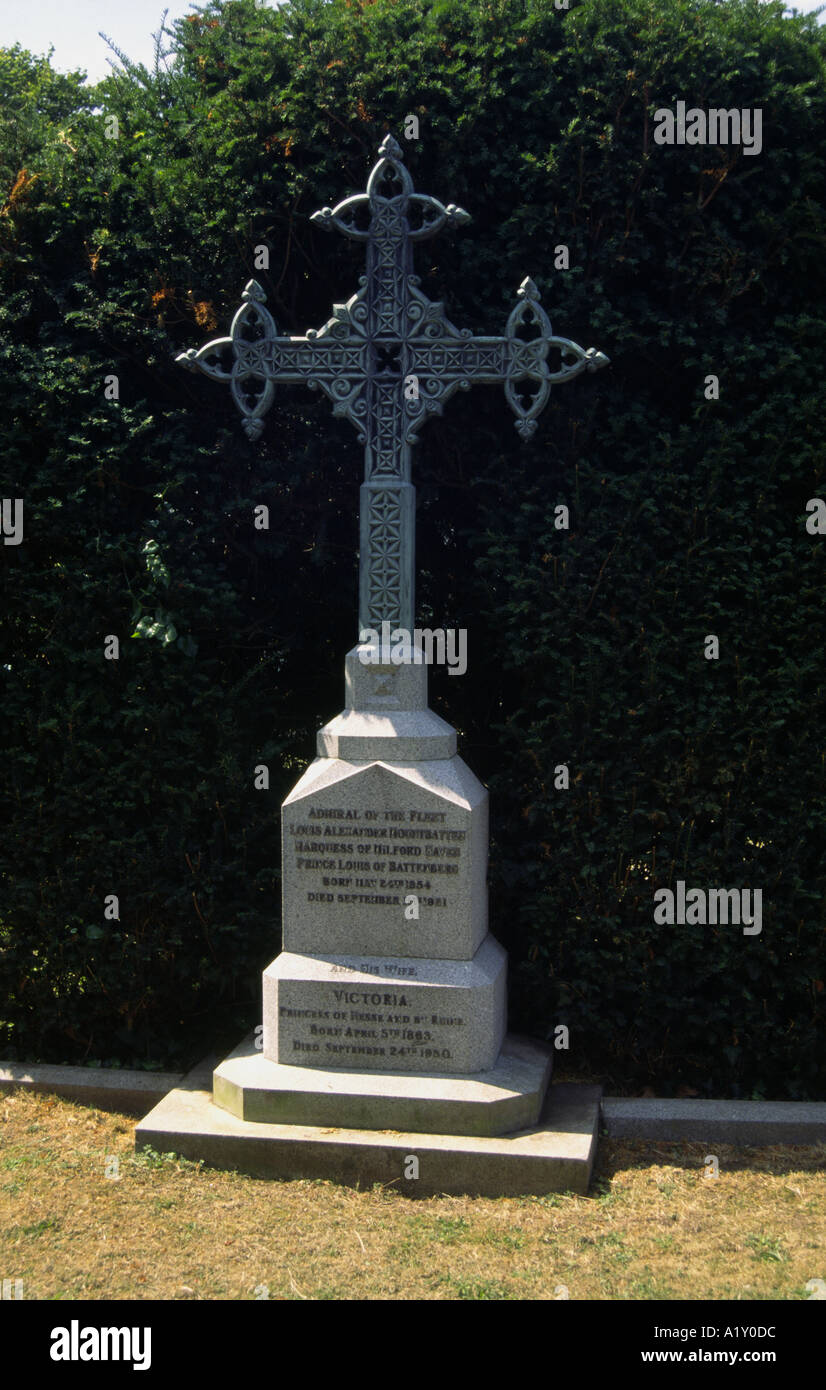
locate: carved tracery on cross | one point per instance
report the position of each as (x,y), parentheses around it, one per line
(388,359)
(390,332)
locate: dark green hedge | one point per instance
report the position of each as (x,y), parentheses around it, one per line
(687,517)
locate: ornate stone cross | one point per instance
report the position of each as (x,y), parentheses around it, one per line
(388,359)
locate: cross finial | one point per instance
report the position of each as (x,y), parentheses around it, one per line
(381,199)
(390,148)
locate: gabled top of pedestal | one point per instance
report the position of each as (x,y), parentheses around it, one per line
(386,714)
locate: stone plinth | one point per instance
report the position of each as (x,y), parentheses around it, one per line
(386,715)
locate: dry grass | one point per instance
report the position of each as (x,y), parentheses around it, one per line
(653,1227)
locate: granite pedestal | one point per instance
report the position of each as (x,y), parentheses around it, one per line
(388,969)
(385,1013)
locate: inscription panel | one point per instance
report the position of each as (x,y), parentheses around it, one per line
(386,1015)
(400,871)
(371,1028)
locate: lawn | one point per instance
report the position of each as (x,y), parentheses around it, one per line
(82,1216)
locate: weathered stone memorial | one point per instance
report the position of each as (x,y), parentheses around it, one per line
(384,1017)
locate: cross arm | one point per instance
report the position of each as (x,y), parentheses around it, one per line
(254,359)
(444,359)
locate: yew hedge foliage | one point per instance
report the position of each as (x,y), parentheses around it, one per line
(687,517)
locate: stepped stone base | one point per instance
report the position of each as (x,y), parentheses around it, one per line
(557,1155)
(508,1097)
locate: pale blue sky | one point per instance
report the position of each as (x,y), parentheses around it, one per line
(72,27)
